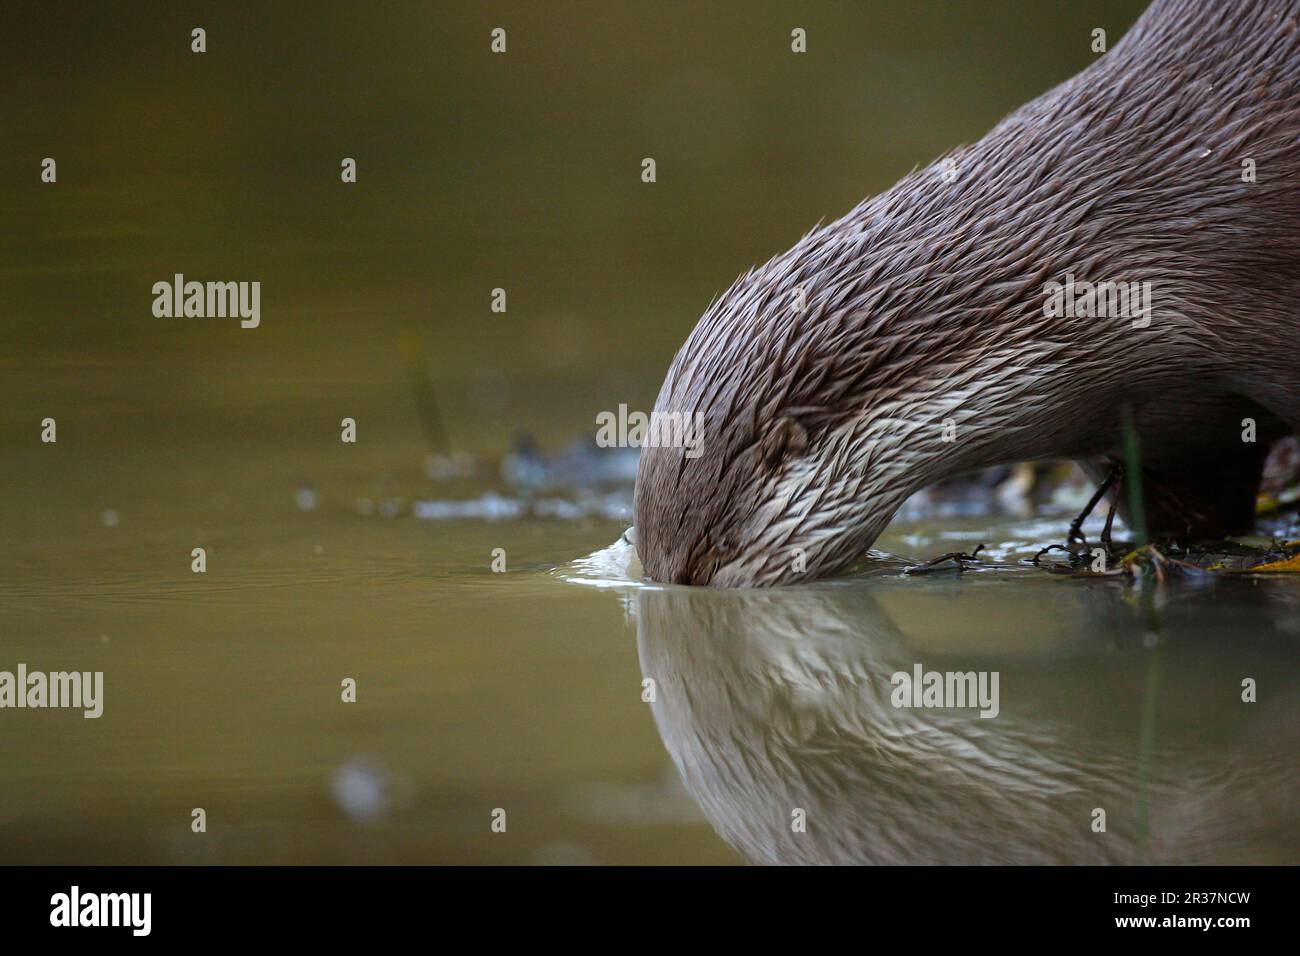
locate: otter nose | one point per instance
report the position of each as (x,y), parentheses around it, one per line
(665,560)
(682,575)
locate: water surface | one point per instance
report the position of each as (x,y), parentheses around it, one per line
(523,690)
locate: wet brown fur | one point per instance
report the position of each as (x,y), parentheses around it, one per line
(924,305)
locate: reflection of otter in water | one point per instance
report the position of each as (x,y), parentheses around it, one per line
(772,702)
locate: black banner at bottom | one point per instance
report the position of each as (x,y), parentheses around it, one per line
(92,905)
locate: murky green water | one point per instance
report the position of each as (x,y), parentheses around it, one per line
(524,690)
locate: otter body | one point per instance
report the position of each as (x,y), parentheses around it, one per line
(911,340)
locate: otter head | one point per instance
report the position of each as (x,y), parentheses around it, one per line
(823,386)
(900,345)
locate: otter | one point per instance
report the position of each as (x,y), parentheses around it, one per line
(913,339)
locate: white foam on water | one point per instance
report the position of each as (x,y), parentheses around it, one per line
(615,566)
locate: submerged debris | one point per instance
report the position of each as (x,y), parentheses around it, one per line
(1289,564)
(957,557)
(1165,562)
(491,506)
(366,790)
(582,465)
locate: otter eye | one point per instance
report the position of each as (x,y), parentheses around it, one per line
(786,437)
